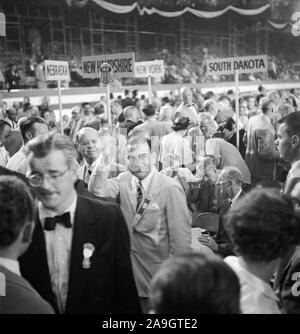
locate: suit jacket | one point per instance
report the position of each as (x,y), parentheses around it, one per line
(20,297)
(261,154)
(225,247)
(287,281)
(160,229)
(108,285)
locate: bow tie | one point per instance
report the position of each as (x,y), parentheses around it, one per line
(64,219)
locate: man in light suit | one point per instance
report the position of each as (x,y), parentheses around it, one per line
(155,210)
(261,154)
(17,296)
(79,258)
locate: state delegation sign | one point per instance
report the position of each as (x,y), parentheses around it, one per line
(57,70)
(153,69)
(121,63)
(249,64)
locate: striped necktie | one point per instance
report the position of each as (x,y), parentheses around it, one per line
(139,194)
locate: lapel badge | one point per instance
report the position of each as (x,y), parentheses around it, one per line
(88,250)
(143,207)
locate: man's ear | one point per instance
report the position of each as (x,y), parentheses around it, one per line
(27,232)
(295,141)
(28,135)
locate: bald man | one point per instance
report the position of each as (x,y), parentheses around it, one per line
(88,141)
(187,103)
(93,146)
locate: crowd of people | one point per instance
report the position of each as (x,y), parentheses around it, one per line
(179,68)
(174,205)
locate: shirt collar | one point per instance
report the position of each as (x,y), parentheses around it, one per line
(145,182)
(252,280)
(90,166)
(44,212)
(234,199)
(11,265)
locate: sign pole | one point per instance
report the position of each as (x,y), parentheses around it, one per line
(237,109)
(149,88)
(108,104)
(60,107)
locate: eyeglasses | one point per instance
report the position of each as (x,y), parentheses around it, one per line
(223,183)
(87,143)
(36,179)
(141,157)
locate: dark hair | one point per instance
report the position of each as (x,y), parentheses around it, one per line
(3,124)
(165,99)
(139,137)
(262,225)
(16,208)
(265,105)
(149,110)
(195,284)
(126,92)
(292,121)
(260,88)
(41,146)
(27,126)
(99,109)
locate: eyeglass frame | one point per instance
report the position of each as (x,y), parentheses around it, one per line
(42,176)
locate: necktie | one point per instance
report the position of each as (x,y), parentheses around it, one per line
(64,219)
(139,195)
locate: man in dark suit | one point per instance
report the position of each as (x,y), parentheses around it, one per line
(16,294)
(230,184)
(79,259)
(127,101)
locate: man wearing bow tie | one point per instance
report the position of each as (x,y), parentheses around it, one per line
(66,222)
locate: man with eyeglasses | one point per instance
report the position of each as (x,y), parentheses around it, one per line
(79,258)
(93,146)
(230,185)
(89,147)
(155,209)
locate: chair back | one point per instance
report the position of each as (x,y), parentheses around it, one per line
(208,221)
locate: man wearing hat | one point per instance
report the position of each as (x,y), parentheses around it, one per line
(177,143)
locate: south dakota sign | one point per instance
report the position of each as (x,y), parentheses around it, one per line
(249,64)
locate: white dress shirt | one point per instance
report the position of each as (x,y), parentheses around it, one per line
(11,265)
(145,183)
(83,171)
(257,297)
(4,156)
(235,198)
(18,162)
(58,246)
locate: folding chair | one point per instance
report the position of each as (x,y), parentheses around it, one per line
(207,221)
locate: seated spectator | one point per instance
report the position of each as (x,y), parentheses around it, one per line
(228,193)
(262,227)
(195,284)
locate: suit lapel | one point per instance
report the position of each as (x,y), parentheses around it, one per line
(34,265)
(82,234)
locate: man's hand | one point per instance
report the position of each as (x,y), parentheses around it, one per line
(208,241)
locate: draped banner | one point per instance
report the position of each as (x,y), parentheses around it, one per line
(123,9)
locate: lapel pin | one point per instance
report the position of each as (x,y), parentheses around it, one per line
(88,250)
